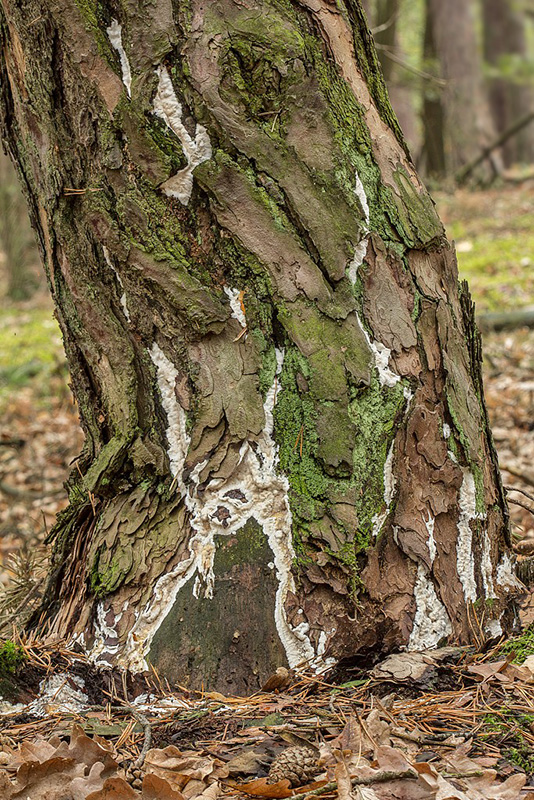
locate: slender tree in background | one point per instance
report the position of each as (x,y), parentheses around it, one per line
(466,119)
(505,49)
(385,27)
(287,451)
(433,150)
(17,240)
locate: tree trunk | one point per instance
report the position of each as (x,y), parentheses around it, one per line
(17,240)
(467,123)
(510,99)
(287,452)
(390,54)
(433,152)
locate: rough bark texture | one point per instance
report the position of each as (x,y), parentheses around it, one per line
(467,121)
(278,380)
(511,97)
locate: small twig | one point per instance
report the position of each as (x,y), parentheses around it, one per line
(521,503)
(474,773)
(521,491)
(300,439)
(512,130)
(148,736)
(240,335)
(390,53)
(518,472)
(380,777)
(28,494)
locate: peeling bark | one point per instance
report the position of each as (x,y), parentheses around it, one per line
(278,379)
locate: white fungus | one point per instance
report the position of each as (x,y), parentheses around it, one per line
(431,542)
(196,148)
(389,492)
(262,494)
(431,623)
(114,32)
(465,559)
(234,295)
(124,304)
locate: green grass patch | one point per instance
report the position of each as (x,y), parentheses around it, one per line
(31,351)
(511,731)
(494,241)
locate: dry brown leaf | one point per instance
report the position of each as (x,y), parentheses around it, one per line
(193,788)
(487,787)
(344,784)
(211,793)
(260,788)
(50,779)
(115,789)
(390,759)
(156,788)
(247,763)
(6,787)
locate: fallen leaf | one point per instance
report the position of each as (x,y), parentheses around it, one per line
(247,763)
(114,789)
(260,788)
(156,788)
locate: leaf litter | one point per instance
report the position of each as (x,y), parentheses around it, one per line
(452,724)
(394,735)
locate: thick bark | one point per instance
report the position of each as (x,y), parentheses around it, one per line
(467,122)
(510,98)
(279,384)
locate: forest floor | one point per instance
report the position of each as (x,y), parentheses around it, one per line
(440,727)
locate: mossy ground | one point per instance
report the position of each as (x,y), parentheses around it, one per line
(495,244)
(522,646)
(512,732)
(31,352)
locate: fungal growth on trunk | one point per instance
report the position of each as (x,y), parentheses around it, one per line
(287,457)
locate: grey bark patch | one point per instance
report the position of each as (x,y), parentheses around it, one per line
(229,641)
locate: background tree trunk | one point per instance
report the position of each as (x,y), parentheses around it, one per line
(433,152)
(390,54)
(467,122)
(287,451)
(17,240)
(510,99)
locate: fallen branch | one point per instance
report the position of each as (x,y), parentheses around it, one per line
(506,320)
(380,777)
(147,728)
(28,494)
(462,174)
(521,491)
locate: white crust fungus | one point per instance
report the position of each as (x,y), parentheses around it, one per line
(109,262)
(465,559)
(196,149)
(431,623)
(255,490)
(114,33)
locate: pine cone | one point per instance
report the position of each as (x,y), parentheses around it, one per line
(134,776)
(298,765)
